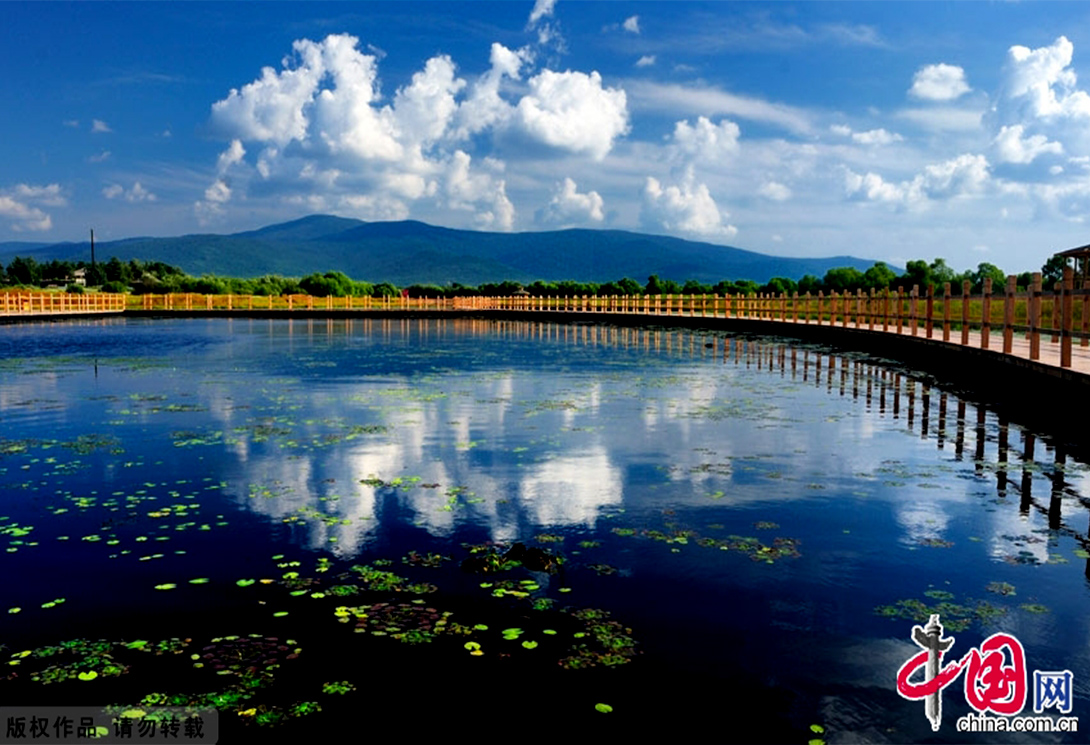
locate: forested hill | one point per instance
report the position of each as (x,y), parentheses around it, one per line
(411,252)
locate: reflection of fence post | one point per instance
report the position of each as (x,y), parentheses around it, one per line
(1068,317)
(1034,316)
(965,287)
(929,327)
(912,308)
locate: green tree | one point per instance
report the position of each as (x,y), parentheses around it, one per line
(916,273)
(842,279)
(984,270)
(940,274)
(630,286)
(879,276)
(1052,271)
(809,283)
(24,271)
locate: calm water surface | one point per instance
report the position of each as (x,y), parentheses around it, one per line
(274,516)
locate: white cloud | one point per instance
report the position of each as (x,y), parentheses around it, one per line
(572,111)
(631,24)
(939,82)
(569,207)
(870,137)
(1013,147)
(965,175)
(480,193)
(219,192)
(233,154)
(686,208)
(71,122)
(49,195)
(484,107)
(542,9)
(101,157)
(775,191)
(19,206)
(708,101)
(876,137)
(707,141)
(136,194)
(100,126)
(945,118)
(646,60)
(1043,80)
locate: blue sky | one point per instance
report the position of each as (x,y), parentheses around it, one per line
(884,130)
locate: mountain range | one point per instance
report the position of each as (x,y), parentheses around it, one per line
(411,252)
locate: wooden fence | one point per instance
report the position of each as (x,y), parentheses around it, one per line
(23,303)
(1062,314)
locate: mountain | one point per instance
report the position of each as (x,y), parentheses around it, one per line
(409,252)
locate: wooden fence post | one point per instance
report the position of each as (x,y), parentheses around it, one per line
(931,309)
(898,310)
(1034,313)
(1068,316)
(912,307)
(870,310)
(1008,314)
(1085,341)
(1057,294)
(986,313)
(820,297)
(965,287)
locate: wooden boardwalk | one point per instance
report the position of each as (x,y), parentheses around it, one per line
(1045,331)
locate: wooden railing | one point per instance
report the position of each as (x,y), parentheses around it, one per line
(24,303)
(1010,316)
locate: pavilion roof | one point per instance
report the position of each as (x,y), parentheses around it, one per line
(1080,252)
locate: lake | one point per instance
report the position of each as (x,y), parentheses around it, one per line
(530,530)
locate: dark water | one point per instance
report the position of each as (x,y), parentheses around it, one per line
(741,532)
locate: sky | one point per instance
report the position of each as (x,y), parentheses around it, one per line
(884,130)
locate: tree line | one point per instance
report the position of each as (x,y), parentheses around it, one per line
(139,277)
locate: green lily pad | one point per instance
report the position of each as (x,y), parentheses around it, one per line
(199,581)
(530,644)
(604,708)
(89,675)
(167,586)
(245,582)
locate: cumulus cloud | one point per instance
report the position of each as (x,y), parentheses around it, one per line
(100,126)
(775,191)
(49,195)
(1043,80)
(965,175)
(467,191)
(876,137)
(569,207)
(646,60)
(939,82)
(687,208)
(631,25)
(706,141)
(21,206)
(136,194)
(542,9)
(233,154)
(1012,146)
(572,111)
(870,137)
